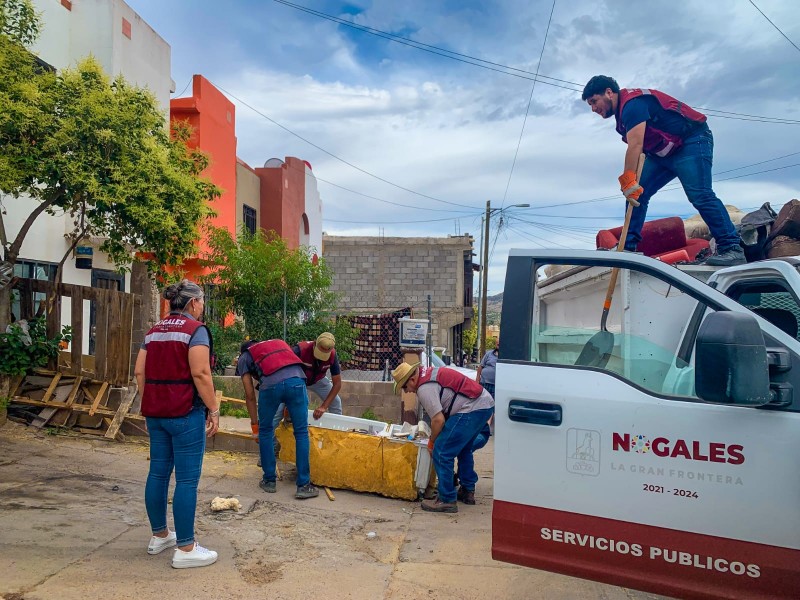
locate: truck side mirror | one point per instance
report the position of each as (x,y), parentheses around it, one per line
(731,364)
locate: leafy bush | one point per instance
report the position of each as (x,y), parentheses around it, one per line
(227,341)
(21,350)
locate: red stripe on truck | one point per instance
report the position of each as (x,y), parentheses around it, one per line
(653,559)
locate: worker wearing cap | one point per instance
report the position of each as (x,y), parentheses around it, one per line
(459,407)
(318,358)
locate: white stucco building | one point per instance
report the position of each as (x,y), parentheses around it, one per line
(123,44)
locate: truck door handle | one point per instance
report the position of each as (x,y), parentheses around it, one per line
(540,413)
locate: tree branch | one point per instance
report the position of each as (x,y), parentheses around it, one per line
(13,251)
(3,238)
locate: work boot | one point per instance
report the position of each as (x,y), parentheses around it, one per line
(466,496)
(306,491)
(727,258)
(268,486)
(437,505)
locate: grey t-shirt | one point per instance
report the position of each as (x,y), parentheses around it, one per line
(428,396)
(489,366)
(245,364)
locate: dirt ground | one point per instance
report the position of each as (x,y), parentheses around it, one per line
(73,526)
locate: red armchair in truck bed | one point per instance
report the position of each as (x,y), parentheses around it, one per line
(659,238)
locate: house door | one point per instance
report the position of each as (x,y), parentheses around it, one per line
(107,280)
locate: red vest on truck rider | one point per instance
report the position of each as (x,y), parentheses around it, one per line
(272,355)
(314,368)
(169,389)
(657,142)
(452,380)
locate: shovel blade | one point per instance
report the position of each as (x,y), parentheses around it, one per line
(597,350)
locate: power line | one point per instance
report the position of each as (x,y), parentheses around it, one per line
(432,49)
(775,26)
(341,187)
(417,221)
(505,69)
(340,159)
(185,88)
(528,108)
(676,186)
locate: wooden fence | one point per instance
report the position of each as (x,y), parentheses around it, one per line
(113,326)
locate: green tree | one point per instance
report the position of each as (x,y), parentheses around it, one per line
(98,150)
(469,337)
(19,21)
(255,275)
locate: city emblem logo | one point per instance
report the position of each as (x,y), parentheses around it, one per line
(583,451)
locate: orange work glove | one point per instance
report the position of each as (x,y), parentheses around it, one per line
(630,187)
(254,428)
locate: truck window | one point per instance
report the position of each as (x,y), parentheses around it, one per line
(772,301)
(648,318)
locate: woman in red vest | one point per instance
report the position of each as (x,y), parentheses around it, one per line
(173,371)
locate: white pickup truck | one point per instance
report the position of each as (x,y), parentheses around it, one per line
(672,466)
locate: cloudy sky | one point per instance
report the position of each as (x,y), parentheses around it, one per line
(429,139)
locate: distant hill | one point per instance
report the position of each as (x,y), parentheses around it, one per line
(494,306)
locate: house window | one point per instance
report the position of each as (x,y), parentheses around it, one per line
(29,269)
(249,218)
(212,312)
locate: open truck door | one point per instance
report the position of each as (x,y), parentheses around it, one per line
(674,468)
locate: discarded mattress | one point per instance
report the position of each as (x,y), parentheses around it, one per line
(347,453)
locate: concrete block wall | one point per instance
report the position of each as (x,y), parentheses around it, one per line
(358,396)
(380,274)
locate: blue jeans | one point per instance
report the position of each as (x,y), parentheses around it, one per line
(691,164)
(292,393)
(178,442)
(455,441)
(322,388)
(482,438)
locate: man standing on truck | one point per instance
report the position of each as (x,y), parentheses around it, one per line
(678,143)
(459,407)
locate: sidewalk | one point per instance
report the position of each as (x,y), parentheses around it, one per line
(74,526)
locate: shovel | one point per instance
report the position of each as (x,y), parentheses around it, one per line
(597,351)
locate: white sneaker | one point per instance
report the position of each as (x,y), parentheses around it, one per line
(159,544)
(196,557)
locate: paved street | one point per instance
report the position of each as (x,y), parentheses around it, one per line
(73,526)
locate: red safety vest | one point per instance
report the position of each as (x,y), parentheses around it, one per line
(314,368)
(657,142)
(272,355)
(169,389)
(452,380)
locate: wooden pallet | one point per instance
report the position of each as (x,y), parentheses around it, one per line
(75,402)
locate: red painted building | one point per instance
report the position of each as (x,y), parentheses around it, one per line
(281,196)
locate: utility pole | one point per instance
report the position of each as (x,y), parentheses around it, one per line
(482,325)
(480,296)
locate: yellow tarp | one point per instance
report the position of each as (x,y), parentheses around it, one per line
(356,461)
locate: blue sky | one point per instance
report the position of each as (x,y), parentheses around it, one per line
(450,131)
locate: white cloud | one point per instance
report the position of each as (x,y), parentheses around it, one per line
(450,130)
